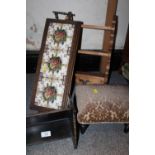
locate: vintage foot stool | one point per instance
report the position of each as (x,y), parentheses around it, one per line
(101,104)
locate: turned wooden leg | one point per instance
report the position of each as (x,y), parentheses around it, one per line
(126,128)
(83,128)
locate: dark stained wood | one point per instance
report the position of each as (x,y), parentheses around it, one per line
(83,128)
(59,129)
(48,116)
(74,50)
(59,123)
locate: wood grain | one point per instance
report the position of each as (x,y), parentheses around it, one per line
(98,27)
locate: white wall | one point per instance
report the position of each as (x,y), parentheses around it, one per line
(88,11)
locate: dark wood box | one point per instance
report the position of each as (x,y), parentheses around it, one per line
(59,124)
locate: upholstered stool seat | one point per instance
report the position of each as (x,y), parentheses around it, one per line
(102,103)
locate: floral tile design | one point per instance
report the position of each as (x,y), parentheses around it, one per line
(52,77)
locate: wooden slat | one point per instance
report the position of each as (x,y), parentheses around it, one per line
(97,27)
(93,52)
(90,78)
(92,74)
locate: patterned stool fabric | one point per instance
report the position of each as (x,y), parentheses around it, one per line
(106,103)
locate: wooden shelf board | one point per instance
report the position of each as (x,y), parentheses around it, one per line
(95,52)
(90,74)
(97,27)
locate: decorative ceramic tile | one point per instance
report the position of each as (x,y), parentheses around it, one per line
(55,60)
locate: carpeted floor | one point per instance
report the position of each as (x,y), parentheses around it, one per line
(105,139)
(102,139)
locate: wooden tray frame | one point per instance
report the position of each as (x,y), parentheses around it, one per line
(73,51)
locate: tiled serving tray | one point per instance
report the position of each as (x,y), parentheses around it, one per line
(56,63)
